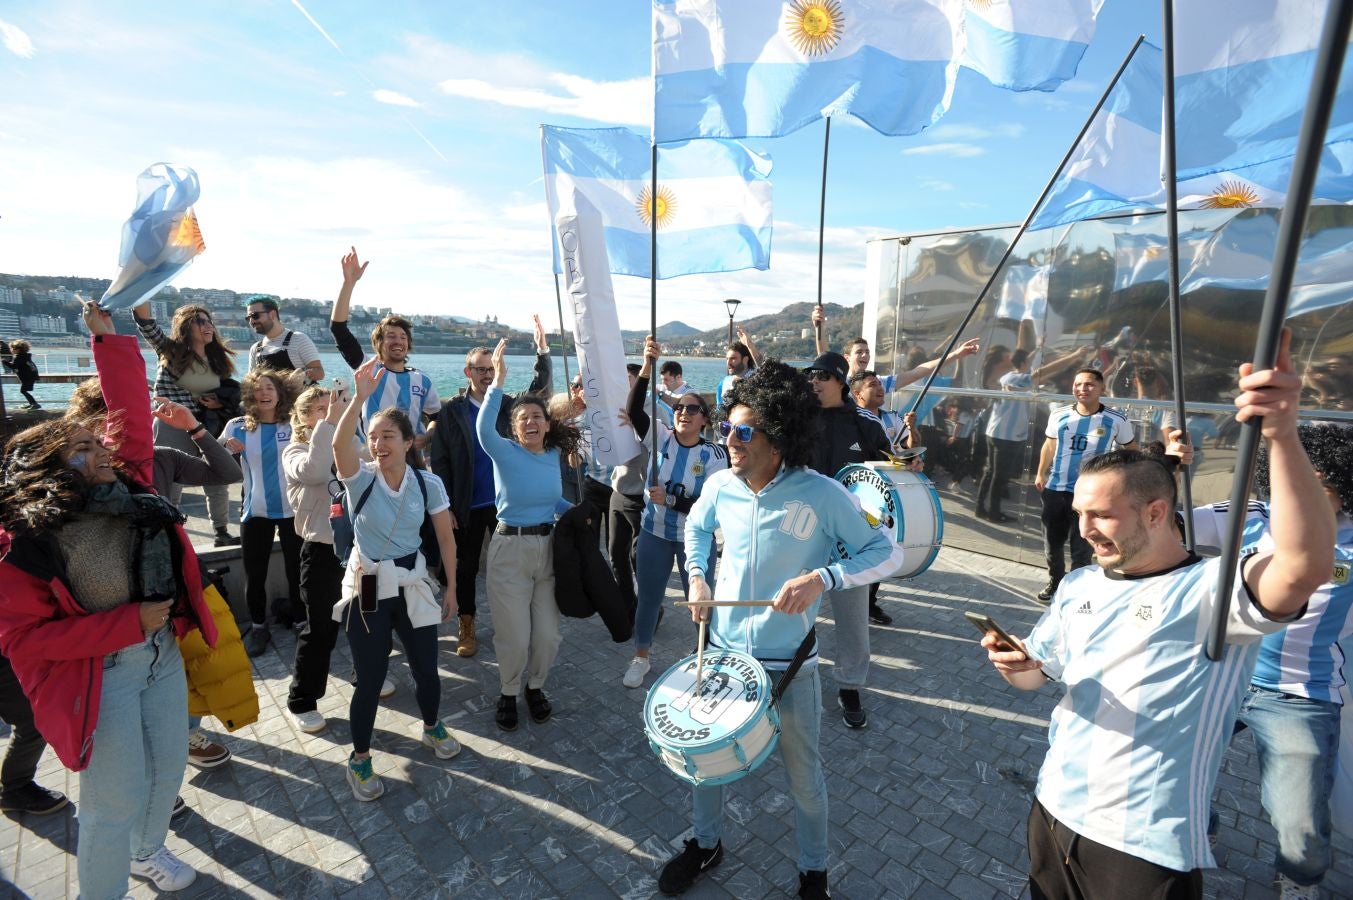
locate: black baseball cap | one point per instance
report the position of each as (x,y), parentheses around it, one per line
(832,363)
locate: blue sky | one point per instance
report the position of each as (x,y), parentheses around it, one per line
(410,129)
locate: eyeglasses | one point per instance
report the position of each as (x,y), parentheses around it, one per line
(743,432)
(480,370)
(689,409)
(255,315)
(201,320)
(820,375)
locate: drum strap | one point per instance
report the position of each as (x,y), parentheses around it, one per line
(809,641)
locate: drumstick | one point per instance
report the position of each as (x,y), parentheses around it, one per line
(700,658)
(707,603)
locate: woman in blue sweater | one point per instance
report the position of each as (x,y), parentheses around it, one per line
(529,494)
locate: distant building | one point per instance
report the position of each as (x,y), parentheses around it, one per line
(9,325)
(43,324)
(11,296)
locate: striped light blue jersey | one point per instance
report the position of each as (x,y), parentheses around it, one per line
(682,472)
(1137,740)
(1009,419)
(1081,438)
(410,390)
(1303,659)
(265,482)
(789,528)
(727,383)
(892,423)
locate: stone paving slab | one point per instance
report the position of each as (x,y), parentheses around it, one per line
(930,801)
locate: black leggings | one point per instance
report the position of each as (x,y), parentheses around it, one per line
(26,743)
(321,586)
(256,536)
(369,638)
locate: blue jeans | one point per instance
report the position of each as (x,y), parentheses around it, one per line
(1297,740)
(653,566)
(140,752)
(800,722)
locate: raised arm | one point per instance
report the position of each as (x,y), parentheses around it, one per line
(544,376)
(967,348)
(122,379)
(348,346)
(486,422)
(820,329)
(216,465)
(751,347)
(364,379)
(1301,522)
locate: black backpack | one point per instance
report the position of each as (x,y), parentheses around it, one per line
(341,518)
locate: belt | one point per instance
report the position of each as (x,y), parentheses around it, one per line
(514,530)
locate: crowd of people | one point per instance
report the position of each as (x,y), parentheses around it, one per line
(116,641)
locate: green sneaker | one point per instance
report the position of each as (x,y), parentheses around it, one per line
(365,783)
(442,742)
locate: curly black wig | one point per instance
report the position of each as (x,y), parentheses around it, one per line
(786,406)
(1330,449)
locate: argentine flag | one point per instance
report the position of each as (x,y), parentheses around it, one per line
(713,205)
(1028,45)
(764,68)
(161,237)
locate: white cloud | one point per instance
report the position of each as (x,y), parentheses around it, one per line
(16,41)
(936,184)
(626,102)
(947,131)
(394,98)
(953,149)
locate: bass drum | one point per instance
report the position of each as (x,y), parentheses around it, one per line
(903,504)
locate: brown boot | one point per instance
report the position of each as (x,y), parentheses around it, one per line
(468,644)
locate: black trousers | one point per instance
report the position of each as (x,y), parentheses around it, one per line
(369,638)
(256,536)
(321,584)
(1003,461)
(25,743)
(470,539)
(1064,865)
(1059,523)
(627,512)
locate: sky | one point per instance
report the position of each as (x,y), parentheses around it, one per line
(410,130)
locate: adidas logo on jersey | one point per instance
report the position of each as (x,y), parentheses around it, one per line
(1085,608)
(854,446)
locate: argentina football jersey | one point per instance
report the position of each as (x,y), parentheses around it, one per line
(682,472)
(265,491)
(1081,438)
(410,390)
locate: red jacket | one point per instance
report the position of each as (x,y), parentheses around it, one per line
(55,646)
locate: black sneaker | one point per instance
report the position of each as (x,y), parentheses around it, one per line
(1045,595)
(813,886)
(32,798)
(853,713)
(225,539)
(878,616)
(507,713)
(538,705)
(683,869)
(256,640)
(179,807)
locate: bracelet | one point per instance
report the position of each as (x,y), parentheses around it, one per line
(192,433)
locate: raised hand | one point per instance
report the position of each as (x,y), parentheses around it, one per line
(353,270)
(1273,393)
(968,348)
(652,349)
(366,377)
(96,320)
(500,363)
(542,344)
(175,415)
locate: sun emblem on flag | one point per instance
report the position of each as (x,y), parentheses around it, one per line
(814,26)
(188,234)
(1231,195)
(665,207)
(980,4)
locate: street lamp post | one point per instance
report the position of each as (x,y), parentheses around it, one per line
(732,309)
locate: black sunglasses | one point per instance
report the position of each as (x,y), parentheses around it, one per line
(689,409)
(820,375)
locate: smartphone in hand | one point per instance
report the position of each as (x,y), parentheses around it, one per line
(987,625)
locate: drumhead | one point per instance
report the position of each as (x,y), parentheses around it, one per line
(735,696)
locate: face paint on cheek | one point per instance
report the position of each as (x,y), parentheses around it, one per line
(77,461)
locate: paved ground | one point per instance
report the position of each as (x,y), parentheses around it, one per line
(929,802)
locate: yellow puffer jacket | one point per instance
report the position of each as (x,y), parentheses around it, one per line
(220,682)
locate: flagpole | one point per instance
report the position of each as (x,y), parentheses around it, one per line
(563,343)
(822,225)
(1172,233)
(958,332)
(653,312)
(1305,166)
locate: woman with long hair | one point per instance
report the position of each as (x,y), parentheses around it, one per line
(196,370)
(20,362)
(259,438)
(529,495)
(387,588)
(98,581)
(685,460)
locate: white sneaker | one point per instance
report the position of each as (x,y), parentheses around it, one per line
(441,740)
(387,688)
(310,722)
(167,871)
(1290,890)
(634,675)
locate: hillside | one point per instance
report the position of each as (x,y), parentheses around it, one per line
(778,334)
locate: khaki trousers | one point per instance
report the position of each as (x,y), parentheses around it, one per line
(525,617)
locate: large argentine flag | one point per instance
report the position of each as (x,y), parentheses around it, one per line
(1028,45)
(764,68)
(161,237)
(1242,74)
(714,199)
